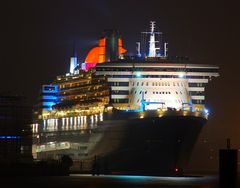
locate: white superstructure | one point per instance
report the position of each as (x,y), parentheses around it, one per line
(163,84)
(157,81)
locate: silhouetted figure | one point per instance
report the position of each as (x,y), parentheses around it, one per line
(96,166)
(81,166)
(106,167)
(66,163)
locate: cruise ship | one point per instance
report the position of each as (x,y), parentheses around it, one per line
(131,115)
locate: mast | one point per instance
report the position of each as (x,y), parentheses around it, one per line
(152,42)
(73,60)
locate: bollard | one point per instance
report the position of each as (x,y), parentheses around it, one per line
(228,167)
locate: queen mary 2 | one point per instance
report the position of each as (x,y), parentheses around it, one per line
(131,114)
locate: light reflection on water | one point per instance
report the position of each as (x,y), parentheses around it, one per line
(127,181)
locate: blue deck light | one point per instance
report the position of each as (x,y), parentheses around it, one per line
(138,74)
(206,111)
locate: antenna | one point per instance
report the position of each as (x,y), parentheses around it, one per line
(73,60)
(152,42)
(152,26)
(165,49)
(138,49)
(228,143)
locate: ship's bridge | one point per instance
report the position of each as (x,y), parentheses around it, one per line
(161,93)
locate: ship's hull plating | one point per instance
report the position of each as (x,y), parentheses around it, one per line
(149,145)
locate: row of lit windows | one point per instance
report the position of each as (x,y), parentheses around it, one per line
(155,76)
(198,101)
(196,93)
(120,92)
(154,69)
(158,92)
(118,83)
(119,100)
(82,83)
(196,84)
(159,100)
(158,84)
(49,88)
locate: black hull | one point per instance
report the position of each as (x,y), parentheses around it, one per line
(153,146)
(150,145)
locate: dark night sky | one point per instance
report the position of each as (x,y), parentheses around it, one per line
(37,40)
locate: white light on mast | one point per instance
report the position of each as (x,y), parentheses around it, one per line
(73,64)
(152,42)
(152,47)
(138,49)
